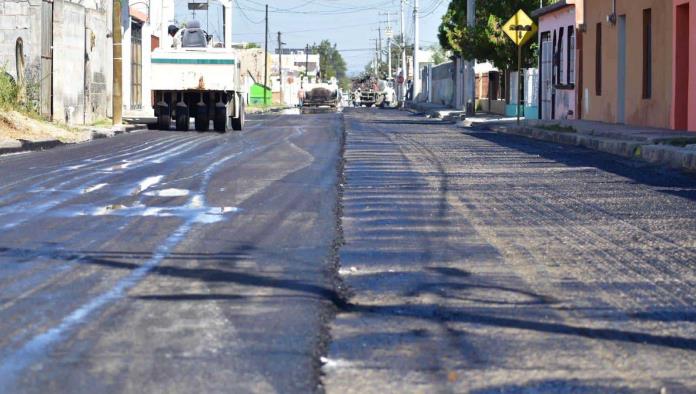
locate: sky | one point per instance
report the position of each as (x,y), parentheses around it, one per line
(351,24)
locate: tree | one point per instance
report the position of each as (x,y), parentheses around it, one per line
(486,40)
(439,54)
(331,62)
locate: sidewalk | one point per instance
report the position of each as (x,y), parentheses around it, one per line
(676,149)
(432,110)
(20,133)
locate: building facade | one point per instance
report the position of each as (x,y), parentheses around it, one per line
(557,94)
(62,51)
(144,29)
(627,62)
(683,115)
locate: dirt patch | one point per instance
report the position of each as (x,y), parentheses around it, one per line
(17,126)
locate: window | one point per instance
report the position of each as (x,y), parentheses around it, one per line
(571,55)
(554,68)
(647,53)
(560,63)
(598,60)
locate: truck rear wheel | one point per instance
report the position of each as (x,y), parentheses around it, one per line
(182,117)
(164,121)
(202,118)
(220,119)
(238,122)
(164,116)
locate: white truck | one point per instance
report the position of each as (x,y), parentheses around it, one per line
(196,79)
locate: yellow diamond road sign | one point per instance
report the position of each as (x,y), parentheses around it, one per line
(520,28)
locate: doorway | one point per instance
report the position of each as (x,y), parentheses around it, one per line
(546,85)
(621,71)
(681,77)
(136,96)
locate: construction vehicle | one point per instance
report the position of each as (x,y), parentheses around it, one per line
(371,92)
(199,79)
(321,95)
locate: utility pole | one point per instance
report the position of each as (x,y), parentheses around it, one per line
(117,102)
(379,47)
(265,62)
(471,64)
(416,39)
(389,54)
(280,66)
(306,66)
(402,91)
(388,33)
(376,63)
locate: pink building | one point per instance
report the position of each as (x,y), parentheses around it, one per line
(558,63)
(684,75)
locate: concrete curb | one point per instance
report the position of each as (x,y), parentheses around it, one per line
(660,154)
(18,146)
(444,114)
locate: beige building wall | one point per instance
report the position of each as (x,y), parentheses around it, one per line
(653,112)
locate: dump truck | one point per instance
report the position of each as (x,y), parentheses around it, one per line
(321,95)
(371,92)
(197,79)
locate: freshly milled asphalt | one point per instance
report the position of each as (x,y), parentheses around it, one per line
(487,263)
(167,262)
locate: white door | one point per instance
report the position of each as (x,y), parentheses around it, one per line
(546,76)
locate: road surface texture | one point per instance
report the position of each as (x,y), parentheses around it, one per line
(167,262)
(487,263)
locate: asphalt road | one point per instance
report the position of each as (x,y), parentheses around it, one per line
(487,263)
(416,257)
(166,262)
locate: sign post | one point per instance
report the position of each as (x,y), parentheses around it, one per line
(520,28)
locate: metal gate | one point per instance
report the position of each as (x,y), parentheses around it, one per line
(546,76)
(46,99)
(136,100)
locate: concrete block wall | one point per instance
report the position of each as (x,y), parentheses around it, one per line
(442,85)
(68,62)
(98,65)
(17,19)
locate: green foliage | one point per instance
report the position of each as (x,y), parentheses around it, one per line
(331,62)
(345,83)
(8,90)
(486,40)
(439,54)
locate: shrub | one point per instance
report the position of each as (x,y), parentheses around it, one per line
(8,90)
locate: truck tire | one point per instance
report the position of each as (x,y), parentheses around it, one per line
(164,116)
(238,122)
(220,119)
(202,118)
(182,117)
(164,121)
